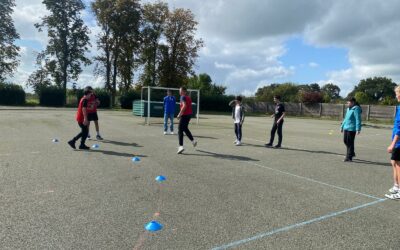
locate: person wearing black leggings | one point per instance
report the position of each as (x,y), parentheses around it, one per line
(184,116)
(351,126)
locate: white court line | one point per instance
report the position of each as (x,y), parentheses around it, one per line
(293,226)
(315,181)
(309,179)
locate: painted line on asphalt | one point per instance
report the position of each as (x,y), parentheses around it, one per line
(315,181)
(293,226)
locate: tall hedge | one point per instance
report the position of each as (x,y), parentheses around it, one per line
(216,103)
(101,94)
(52,96)
(127,98)
(11,94)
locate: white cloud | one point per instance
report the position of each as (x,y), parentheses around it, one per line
(245,40)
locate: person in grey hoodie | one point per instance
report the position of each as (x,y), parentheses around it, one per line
(238,118)
(351,126)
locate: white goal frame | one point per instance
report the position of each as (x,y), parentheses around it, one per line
(149,88)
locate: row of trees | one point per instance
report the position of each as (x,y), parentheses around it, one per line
(307,93)
(376,90)
(145,42)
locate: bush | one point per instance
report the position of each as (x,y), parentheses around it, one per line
(127,98)
(11,94)
(101,94)
(52,96)
(311,97)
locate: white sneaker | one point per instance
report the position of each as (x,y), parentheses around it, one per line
(165,132)
(238,143)
(180,150)
(393,196)
(394,190)
(171,133)
(194,143)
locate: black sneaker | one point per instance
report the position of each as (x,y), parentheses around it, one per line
(347,160)
(277,146)
(268,145)
(84,147)
(72,144)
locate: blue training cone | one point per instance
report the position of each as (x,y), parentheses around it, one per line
(55,140)
(135,159)
(161,178)
(95,146)
(153,226)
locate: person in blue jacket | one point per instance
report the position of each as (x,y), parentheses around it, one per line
(351,126)
(169,111)
(394,149)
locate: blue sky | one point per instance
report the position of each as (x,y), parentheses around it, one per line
(250,44)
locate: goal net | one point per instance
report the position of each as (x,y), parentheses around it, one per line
(151,105)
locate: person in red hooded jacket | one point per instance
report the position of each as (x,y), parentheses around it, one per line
(82,119)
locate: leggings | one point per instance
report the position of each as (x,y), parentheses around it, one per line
(348,139)
(83,134)
(184,127)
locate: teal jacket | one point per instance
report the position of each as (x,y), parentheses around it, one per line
(352,120)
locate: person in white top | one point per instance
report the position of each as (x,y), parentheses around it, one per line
(238,118)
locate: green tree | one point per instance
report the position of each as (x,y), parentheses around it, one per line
(288,92)
(118,42)
(105,43)
(8,34)
(376,88)
(127,29)
(206,86)
(68,40)
(154,18)
(330,91)
(363,98)
(181,48)
(40,77)
(314,87)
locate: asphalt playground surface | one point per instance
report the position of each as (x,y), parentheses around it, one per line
(217,196)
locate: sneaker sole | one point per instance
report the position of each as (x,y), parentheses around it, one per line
(180,151)
(391,196)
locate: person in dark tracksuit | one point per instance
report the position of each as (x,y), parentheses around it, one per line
(169,111)
(184,116)
(351,126)
(238,118)
(278,122)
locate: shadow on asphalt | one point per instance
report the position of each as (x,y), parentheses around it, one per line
(106,152)
(119,143)
(385,164)
(223,156)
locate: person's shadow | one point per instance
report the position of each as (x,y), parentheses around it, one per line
(359,161)
(295,149)
(223,156)
(119,143)
(113,153)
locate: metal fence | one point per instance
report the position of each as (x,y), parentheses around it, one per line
(369,112)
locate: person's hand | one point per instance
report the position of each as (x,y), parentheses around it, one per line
(278,121)
(390,148)
(85,122)
(341,131)
(358,132)
(178,117)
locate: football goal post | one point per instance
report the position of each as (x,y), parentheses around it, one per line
(149,103)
